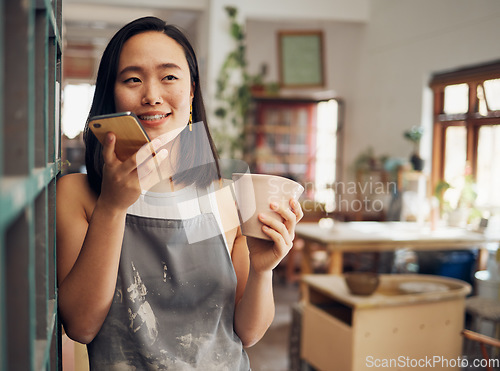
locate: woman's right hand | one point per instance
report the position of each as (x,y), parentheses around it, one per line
(122,181)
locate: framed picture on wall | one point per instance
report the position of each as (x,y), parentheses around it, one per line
(301,59)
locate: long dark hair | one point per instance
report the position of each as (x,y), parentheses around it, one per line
(199,160)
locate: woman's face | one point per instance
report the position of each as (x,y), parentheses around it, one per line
(153,81)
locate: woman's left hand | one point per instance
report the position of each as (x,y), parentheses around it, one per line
(265,255)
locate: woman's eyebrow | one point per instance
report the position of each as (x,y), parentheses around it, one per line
(168,65)
(140,69)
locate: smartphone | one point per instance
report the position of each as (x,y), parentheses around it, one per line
(130,135)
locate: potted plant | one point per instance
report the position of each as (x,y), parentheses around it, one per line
(234,92)
(457,201)
(414,135)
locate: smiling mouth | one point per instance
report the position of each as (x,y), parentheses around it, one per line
(153,117)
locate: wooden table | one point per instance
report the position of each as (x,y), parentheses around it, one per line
(385,236)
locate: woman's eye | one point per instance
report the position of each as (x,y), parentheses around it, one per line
(133,79)
(170,77)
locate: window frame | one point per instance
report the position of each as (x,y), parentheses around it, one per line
(472,120)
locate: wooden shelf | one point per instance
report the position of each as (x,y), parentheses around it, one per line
(30,162)
(281,136)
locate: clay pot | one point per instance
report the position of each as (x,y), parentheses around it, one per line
(361,283)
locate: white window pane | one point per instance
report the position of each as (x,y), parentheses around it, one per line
(488,166)
(75,109)
(455,162)
(456,98)
(492,91)
(326,151)
(455,154)
(483,108)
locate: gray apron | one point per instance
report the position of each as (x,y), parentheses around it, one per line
(173,307)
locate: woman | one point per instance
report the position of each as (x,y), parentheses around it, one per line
(146,283)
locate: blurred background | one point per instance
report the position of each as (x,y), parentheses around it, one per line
(379,63)
(385,110)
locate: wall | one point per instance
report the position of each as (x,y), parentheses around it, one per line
(341,50)
(381,68)
(406,42)
(295,12)
(379,54)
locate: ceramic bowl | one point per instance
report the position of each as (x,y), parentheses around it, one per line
(361,283)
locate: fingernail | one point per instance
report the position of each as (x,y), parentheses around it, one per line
(274,205)
(162,154)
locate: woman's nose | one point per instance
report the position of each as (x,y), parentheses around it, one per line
(152,96)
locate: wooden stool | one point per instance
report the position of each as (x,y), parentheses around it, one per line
(482,340)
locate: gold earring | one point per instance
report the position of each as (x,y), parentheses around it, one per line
(190,122)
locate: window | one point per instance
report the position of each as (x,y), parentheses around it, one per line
(467,130)
(326,152)
(77,100)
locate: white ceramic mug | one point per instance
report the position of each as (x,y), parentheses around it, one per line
(254,194)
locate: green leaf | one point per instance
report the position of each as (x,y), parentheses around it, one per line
(236,32)
(221,112)
(231,11)
(414,134)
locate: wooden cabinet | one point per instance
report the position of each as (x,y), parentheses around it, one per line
(409,321)
(281,137)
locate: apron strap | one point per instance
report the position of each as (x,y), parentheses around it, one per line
(204,200)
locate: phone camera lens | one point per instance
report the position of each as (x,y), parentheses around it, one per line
(97,126)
